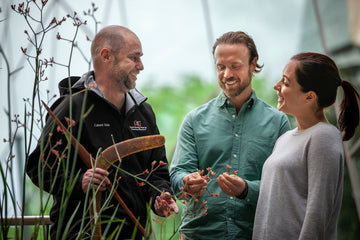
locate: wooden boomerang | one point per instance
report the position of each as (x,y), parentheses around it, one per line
(110,156)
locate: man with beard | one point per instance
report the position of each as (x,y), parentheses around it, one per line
(102,108)
(228,138)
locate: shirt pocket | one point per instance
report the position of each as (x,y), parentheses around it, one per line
(259,149)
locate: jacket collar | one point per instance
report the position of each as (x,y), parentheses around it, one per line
(133,97)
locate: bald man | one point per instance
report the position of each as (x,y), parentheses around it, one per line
(105,108)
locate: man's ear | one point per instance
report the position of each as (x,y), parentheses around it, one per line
(105,54)
(253,64)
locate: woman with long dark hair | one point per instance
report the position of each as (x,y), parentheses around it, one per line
(302,180)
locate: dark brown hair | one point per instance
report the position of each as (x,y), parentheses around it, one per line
(240,38)
(319,73)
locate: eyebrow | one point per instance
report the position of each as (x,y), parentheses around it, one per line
(284,76)
(137,54)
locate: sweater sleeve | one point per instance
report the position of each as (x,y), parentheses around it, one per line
(325,174)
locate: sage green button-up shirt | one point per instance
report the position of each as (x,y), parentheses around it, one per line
(214,136)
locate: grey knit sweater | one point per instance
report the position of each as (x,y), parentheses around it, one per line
(301,186)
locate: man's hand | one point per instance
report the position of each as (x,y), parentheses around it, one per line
(165,205)
(99,181)
(194,184)
(231,184)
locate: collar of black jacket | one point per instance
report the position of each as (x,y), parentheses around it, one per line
(76,84)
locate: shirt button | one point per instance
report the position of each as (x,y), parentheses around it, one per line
(248,200)
(229,219)
(234,155)
(231,198)
(233,116)
(236,135)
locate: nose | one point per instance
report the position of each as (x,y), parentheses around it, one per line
(228,73)
(277,86)
(140,65)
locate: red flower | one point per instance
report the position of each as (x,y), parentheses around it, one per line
(58,142)
(56,153)
(68,121)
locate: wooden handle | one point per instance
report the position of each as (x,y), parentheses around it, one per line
(128,147)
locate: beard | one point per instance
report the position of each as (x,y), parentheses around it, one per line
(128,84)
(234,92)
(123,80)
(231,93)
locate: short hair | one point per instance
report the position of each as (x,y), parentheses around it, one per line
(111,37)
(239,37)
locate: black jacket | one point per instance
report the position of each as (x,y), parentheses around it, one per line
(97,126)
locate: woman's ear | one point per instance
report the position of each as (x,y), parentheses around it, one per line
(311,97)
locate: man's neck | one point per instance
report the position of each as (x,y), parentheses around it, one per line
(115,97)
(239,100)
(110,90)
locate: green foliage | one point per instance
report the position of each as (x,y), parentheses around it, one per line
(171,104)
(264,90)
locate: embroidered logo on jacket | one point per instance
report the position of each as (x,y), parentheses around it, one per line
(137,126)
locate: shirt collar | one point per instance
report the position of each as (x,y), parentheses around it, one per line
(223,101)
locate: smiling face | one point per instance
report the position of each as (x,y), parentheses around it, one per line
(291,99)
(234,70)
(127,63)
